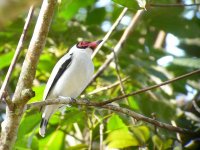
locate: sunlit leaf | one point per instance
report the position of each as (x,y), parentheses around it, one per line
(38,93)
(115,122)
(29,122)
(120,139)
(158,142)
(132,4)
(53,141)
(142,133)
(5,59)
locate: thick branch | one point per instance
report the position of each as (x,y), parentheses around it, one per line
(17,52)
(111,107)
(13,118)
(35,48)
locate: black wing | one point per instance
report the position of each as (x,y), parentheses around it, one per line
(62,69)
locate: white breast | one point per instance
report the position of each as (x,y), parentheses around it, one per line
(74,80)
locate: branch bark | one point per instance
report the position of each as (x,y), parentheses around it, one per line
(110,31)
(126,111)
(17,52)
(118,47)
(150,87)
(23,90)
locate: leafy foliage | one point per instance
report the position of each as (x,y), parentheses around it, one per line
(139,60)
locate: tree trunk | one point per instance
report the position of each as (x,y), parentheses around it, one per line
(23,90)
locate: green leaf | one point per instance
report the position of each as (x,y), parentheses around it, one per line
(157,142)
(115,122)
(92,16)
(72,115)
(78,147)
(27,142)
(70,7)
(29,121)
(168,144)
(5,59)
(54,141)
(120,139)
(131,4)
(38,93)
(142,133)
(133,103)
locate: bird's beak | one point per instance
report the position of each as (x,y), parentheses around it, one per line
(94,44)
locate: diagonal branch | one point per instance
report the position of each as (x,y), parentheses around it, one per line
(126,111)
(110,31)
(117,48)
(17,52)
(174,5)
(150,87)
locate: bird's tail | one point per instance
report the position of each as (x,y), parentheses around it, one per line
(48,111)
(43,126)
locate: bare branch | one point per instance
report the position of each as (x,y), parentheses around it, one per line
(17,52)
(117,48)
(174,5)
(110,31)
(118,75)
(159,39)
(147,119)
(101,127)
(151,87)
(13,117)
(126,111)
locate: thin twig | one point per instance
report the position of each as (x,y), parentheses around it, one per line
(118,75)
(117,48)
(101,127)
(147,119)
(110,31)
(17,52)
(114,108)
(174,5)
(106,87)
(151,87)
(58,101)
(196,106)
(159,39)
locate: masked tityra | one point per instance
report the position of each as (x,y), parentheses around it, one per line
(69,77)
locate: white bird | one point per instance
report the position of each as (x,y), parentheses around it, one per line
(69,77)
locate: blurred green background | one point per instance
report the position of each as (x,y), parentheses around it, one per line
(144,62)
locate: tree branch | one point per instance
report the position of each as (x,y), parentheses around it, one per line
(126,111)
(151,87)
(17,52)
(110,31)
(117,48)
(13,117)
(174,5)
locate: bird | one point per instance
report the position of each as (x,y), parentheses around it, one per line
(69,77)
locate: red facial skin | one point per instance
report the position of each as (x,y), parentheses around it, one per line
(85,44)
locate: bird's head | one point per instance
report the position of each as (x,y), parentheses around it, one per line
(86,44)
